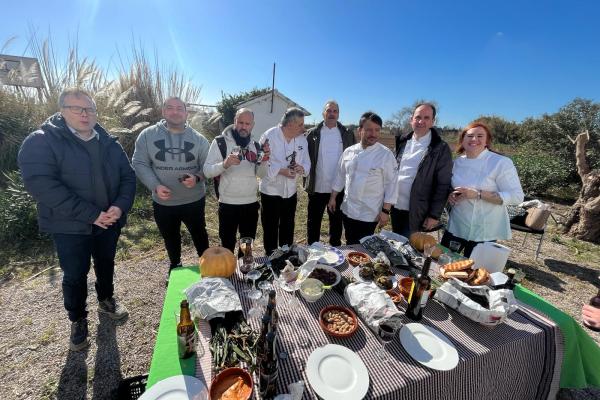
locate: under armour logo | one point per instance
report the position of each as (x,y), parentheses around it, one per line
(161,154)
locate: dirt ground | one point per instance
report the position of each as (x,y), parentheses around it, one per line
(35,362)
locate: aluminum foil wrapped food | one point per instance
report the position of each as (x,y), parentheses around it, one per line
(372,305)
(212,297)
(481,304)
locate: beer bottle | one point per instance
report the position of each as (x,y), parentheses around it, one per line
(594,302)
(268,369)
(186,332)
(419,293)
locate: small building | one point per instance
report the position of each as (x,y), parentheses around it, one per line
(264,118)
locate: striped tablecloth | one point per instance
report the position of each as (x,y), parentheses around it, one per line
(519,359)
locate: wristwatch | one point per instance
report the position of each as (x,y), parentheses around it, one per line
(385,211)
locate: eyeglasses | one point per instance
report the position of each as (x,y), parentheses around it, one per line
(79,110)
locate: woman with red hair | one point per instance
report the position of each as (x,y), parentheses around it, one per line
(484,183)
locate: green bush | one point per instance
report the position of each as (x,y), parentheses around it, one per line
(540,172)
(18,215)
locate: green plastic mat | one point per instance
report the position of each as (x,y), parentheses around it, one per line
(165,359)
(581,359)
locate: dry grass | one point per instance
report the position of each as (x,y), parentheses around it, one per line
(35,362)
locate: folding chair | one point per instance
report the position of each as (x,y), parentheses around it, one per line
(518,224)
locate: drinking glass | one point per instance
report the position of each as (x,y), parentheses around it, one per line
(246,246)
(265,286)
(254,294)
(454,246)
(385,333)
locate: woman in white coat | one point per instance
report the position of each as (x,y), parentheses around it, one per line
(484,183)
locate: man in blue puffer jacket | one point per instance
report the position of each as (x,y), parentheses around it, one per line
(84,186)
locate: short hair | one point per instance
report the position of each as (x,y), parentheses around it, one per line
(430,105)
(331,101)
(76,92)
(243,110)
(476,124)
(370,116)
(290,114)
(164,104)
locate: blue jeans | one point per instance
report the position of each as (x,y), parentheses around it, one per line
(74,253)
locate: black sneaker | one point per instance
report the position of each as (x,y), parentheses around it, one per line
(171,266)
(114,310)
(79,335)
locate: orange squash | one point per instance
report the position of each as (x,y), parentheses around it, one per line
(217,261)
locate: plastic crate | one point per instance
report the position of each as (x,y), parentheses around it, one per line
(132,388)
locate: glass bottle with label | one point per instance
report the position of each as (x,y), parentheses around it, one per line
(419,293)
(187,336)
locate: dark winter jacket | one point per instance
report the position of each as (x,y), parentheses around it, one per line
(56,170)
(314,140)
(431,186)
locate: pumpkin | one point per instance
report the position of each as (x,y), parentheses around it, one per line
(217,261)
(419,240)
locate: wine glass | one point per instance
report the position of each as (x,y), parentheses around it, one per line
(246,245)
(254,294)
(385,333)
(265,286)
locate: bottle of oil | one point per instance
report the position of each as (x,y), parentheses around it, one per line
(186,332)
(419,293)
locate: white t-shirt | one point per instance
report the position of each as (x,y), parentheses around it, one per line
(479,220)
(330,150)
(412,156)
(274,184)
(369,178)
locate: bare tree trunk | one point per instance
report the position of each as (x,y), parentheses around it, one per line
(583,221)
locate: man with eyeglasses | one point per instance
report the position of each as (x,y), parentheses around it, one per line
(237,161)
(424,173)
(168,160)
(84,186)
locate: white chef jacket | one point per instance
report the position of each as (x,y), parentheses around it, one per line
(274,184)
(330,150)
(479,220)
(369,178)
(414,151)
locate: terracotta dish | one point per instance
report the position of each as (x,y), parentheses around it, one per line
(338,321)
(356,258)
(405,285)
(231,384)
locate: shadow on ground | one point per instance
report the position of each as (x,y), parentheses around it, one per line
(539,276)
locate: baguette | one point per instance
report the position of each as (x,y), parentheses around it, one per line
(461,265)
(456,274)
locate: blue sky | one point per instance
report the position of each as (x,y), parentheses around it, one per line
(510,58)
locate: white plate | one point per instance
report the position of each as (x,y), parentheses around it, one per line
(356,275)
(331,256)
(336,372)
(179,387)
(429,346)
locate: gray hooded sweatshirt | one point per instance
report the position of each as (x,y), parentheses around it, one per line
(162,157)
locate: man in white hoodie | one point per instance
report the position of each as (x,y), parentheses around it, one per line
(235,158)
(168,160)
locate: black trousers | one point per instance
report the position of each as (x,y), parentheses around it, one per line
(74,253)
(401,222)
(459,245)
(356,230)
(277,216)
(317,203)
(169,219)
(237,216)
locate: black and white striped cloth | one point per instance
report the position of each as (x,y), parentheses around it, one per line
(519,359)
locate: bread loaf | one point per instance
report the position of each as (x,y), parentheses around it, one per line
(459,265)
